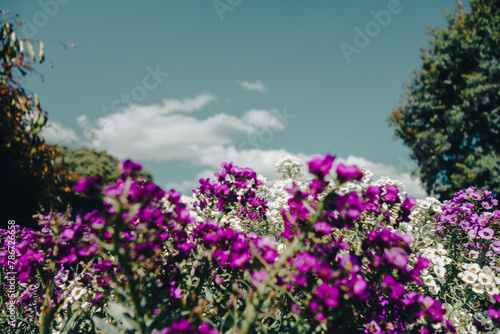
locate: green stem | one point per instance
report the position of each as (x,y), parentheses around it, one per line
(122,260)
(452,251)
(49,311)
(483,254)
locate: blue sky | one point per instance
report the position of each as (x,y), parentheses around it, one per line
(183,85)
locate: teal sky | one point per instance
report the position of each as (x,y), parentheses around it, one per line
(248,80)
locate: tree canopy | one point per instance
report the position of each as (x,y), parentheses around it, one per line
(89,162)
(28,179)
(450,113)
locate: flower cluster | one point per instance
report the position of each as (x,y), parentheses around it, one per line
(462,273)
(334,253)
(469,220)
(233,195)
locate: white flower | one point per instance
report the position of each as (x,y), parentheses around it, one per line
(441,250)
(437,209)
(474,267)
(439,271)
(488,325)
(429,253)
(439,260)
(469,277)
(485,279)
(429,280)
(492,290)
(480,317)
(487,270)
(434,290)
(78,292)
(280,248)
(478,288)
(424,204)
(471,329)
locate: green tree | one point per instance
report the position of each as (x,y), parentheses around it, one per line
(89,162)
(28,179)
(449,115)
(86,162)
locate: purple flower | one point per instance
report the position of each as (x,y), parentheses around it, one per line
(70,258)
(205,329)
(324,272)
(239,260)
(320,165)
(391,194)
(323,227)
(487,205)
(357,285)
(397,257)
(269,255)
(465,225)
(373,328)
(349,262)
(392,287)
(259,277)
(347,173)
(328,294)
(129,167)
(304,262)
(486,233)
(182,326)
(408,203)
(474,254)
(496,246)
(494,314)
(90,186)
(88,250)
(103,266)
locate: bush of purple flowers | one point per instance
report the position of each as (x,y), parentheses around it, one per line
(151,262)
(462,245)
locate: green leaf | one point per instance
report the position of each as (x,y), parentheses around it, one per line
(104,326)
(41,56)
(123,314)
(30,49)
(69,322)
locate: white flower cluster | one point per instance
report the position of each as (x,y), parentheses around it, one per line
(464,321)
(289,167)
(437,268)
(275,191)
(482,279)
(77,292)
(422,226)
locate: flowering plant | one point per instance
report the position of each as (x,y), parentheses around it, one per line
(460,238)
(338,257)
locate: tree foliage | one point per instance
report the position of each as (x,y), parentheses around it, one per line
(89,162)
(86,162)
(450,113)
(28,178)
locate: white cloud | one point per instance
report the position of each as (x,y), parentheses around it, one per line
(263,118)
(56,133)
(169,106)
(159,132)
(186,187)
(257,85)
(262,162)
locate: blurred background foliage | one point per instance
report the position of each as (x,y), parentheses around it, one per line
(89,162)
(35,176)
(28,178)
(450,113)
